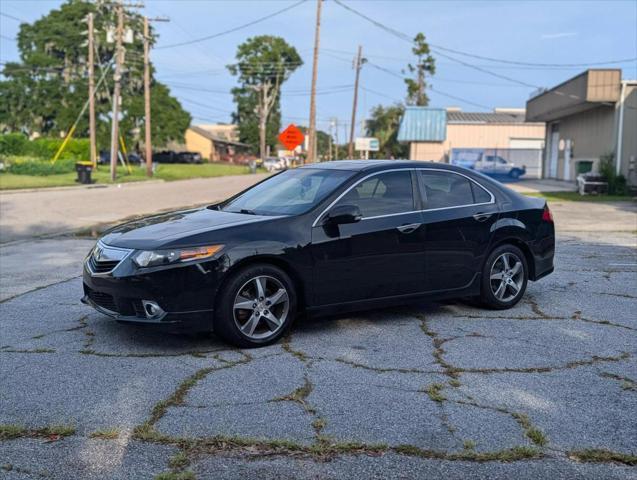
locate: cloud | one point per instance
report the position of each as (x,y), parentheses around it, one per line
(551,36)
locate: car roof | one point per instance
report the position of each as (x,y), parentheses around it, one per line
(364,165)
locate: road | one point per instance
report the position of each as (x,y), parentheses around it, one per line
(423,391)
(24,215)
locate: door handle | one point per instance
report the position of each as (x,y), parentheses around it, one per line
(482,217)
(408,228)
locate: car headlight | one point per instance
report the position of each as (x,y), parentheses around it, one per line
(153,258)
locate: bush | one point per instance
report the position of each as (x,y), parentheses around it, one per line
(45,148)
(37,166)
(616,183)
(13,144)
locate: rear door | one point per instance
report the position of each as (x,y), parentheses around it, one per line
(458,217)
(378,256)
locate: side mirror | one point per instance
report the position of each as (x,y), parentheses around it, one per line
(344,214)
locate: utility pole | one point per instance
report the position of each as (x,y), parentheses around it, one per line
(117,90)
(91,90)
(311,154)
(147,125)
(147,141)
(358,65)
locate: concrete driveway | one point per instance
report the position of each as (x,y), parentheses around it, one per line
(545,390)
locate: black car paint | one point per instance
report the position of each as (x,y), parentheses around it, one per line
(334,268)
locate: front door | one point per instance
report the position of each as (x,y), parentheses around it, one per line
(457,220)
(554,150)
(379,256)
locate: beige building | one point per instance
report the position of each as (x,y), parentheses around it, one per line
(217,143)
(433,133)
(588,117)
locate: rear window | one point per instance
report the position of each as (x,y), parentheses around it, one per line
(447,189)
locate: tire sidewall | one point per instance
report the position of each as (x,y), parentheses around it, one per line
(487,294)
(224,324)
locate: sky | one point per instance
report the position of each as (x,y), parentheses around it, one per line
(528,32)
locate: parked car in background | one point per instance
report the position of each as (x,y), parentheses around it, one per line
(189,157)
(170,156)
(323,238)
(496,165)
(272,164)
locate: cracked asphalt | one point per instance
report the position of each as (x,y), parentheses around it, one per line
(545,390)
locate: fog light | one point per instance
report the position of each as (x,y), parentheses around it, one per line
(152,309)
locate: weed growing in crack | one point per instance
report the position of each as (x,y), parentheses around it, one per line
(469,445)
(299,395)
(176,476)
(10,431)
(108,434)
(534,434)
(179,461)
(434,390)
(595,455)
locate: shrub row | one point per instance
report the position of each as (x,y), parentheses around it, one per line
(36,166)
(18,144)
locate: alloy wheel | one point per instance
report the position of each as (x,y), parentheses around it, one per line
(507,277)
(261,307)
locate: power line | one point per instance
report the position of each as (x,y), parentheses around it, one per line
(408,39)
(2,14)
(232,30)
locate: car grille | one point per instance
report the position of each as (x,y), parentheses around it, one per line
(104,258)
(103,300)
(103,266)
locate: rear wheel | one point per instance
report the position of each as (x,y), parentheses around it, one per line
(504,277)
(255,307)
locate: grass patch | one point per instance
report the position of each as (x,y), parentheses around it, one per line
(10,431)
(576,197)
(101,176)
(603,455)
(179,461)
(107,434)
(534,434)
(469,445)
(454,382)
(434,391)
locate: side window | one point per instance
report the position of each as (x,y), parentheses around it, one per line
(382,194)
(444,189)
(480,195)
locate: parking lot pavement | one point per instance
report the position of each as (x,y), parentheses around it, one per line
(545,390)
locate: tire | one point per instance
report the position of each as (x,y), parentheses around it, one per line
(255,307)
(493,294)
(514,174)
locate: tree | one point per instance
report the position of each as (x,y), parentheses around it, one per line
(45,91)
(384,124)
(245,116)
(263,64)
(322,142)
(426,65)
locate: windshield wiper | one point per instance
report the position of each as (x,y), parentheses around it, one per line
(247,212)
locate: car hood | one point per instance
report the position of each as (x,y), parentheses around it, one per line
(169,228)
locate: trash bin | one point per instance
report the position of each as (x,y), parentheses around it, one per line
(84,170)
(584,166)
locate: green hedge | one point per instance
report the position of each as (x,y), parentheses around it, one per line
(37,166)
(18,144)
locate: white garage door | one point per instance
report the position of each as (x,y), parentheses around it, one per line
(534,143)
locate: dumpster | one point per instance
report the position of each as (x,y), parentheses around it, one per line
(84,170)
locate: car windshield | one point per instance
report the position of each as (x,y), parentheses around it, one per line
(289,193)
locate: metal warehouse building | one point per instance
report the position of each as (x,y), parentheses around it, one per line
(434,134)
(589,116)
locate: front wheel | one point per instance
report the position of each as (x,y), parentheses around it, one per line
(255,307)
(504,277)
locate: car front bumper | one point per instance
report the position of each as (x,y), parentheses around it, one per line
(181,297)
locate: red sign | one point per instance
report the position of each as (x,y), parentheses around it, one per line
(291,137)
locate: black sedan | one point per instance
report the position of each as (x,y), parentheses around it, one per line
(325,238)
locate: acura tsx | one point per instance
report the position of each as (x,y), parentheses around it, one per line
(322,239)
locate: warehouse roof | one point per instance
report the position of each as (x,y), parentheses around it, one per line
(421,124)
